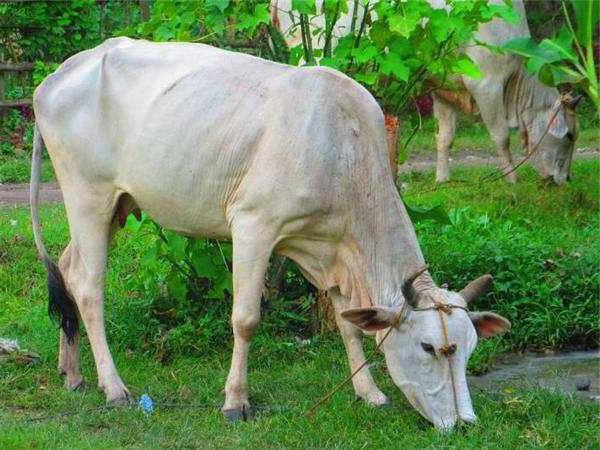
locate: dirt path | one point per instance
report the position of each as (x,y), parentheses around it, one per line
(18,193)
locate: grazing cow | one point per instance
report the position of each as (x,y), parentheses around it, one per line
(508,97)
(505,96)
(204,140)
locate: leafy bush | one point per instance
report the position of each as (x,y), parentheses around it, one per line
(568,57)
(541,247)
(186,290)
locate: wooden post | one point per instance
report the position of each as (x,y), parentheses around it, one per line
(12,67)
(2,110)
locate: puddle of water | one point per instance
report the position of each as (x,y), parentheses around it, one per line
(575,373)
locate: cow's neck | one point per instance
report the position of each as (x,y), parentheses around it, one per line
(525,97)
(389,248)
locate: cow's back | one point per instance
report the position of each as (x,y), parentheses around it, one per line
(189,130)
(497,68)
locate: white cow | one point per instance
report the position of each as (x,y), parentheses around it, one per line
(205,141)
(505,95)
(508,97)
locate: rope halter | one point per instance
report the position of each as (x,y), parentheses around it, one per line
(448,349)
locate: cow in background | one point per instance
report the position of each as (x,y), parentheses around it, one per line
(505,96)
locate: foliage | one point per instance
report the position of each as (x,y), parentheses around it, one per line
(406,43)
(539,245)
(287,376)
(189,285)
(41,70)
(568,57)
(51,31)
(223,23)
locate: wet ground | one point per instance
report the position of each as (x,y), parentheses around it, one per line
(576,373)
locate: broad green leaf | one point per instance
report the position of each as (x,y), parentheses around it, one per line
(367,78)
(176,286)
(465,66)
(304,6)
(403,25)
(392,64)
(436,213)
(562,44)
(221,5)
(587,16)
(507,13)
(365,53)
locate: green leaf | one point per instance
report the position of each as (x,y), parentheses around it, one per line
(562,45)
(587,15)
(365,53)
(436,213)
(367,78)
(177,246)
(221,5)
(176,286)
(465,66)
(507,13)
(403,25)
(392,64)
(304,6)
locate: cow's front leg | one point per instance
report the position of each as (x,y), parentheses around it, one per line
(252,246)
(364,385)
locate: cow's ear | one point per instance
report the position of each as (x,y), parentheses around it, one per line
(489,324)
(371,319)
(558,123)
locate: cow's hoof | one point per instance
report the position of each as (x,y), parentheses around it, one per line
(376,399)
(74,385)
(244,413)
(123,400)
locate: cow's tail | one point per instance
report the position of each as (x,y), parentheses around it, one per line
(61,304)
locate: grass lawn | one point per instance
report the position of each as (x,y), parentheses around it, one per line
(515,230)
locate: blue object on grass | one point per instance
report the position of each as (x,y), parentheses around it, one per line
(146,403)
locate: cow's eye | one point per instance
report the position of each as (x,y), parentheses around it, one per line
(428,348)
(570,136)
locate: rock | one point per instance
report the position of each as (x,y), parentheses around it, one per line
(8,346)
(583,385)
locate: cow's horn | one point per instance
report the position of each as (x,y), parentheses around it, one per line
(476,288)
(407,287)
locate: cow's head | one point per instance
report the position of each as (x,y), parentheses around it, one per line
(431,338)
(556,130)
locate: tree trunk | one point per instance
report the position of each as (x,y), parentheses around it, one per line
(391,127)
(144,10)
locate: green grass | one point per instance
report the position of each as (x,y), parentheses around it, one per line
(17,169)
(515,229)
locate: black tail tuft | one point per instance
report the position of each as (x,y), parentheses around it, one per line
(61,305)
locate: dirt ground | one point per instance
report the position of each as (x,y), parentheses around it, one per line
(18,193)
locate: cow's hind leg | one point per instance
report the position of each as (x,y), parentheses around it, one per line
(446,128)
(252,246)
(91,218)
(68,352)
(364,385)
